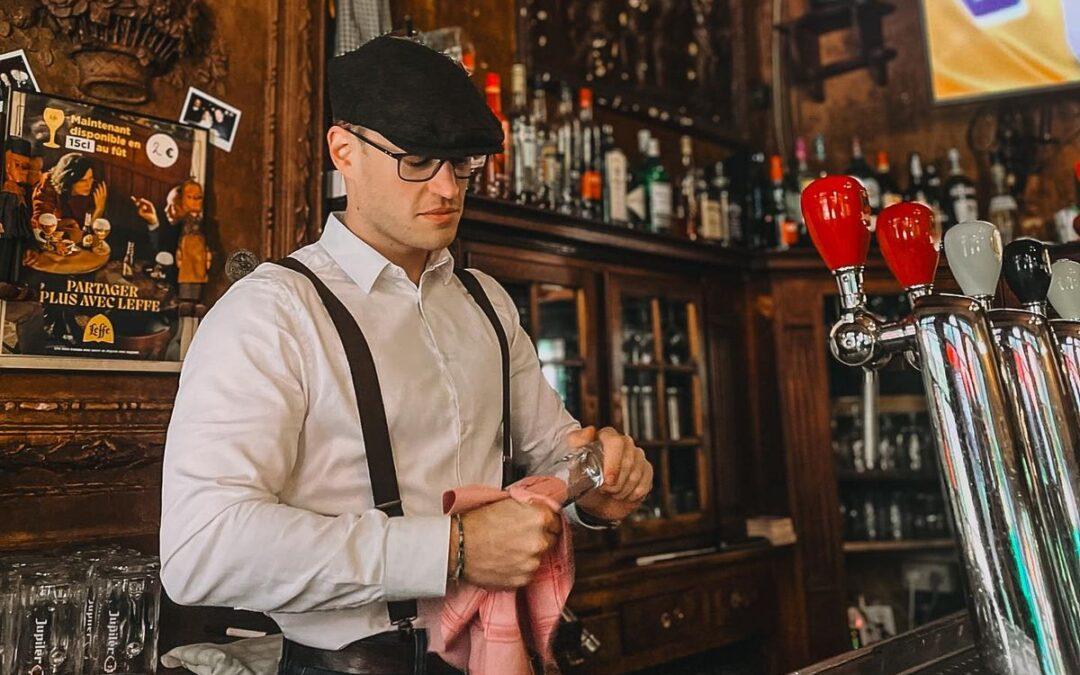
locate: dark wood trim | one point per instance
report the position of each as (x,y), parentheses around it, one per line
(293,187)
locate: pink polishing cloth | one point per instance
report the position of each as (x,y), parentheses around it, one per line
(481,630)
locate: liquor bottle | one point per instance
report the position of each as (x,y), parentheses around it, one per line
(657,190)
(495,169)
(958,195)
(615,180)
(523,136)
(127,269)
(933,192)
(890,191)
(1067,219)
(565,123)
(821,165)
(587,155)
(547,152)
(712,217)
(687,213)
(701,200)
(637,202)
(862,172)
(787,229)
(731,228)
(916,189)
(760,229)
(1004,212)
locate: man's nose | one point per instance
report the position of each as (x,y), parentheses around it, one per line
(444,183)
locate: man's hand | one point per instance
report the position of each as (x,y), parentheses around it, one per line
(146,210)
(627,474)
(504,542)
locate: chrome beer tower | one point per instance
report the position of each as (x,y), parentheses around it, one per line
(1004,420)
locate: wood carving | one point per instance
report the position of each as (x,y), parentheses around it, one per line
(73,454)
(118,45)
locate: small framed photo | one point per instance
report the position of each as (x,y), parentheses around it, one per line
(15,72)
(214,115)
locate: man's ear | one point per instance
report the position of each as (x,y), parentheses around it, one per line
(343,152)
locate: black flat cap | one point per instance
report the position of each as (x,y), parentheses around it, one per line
(18,145)
(419,99)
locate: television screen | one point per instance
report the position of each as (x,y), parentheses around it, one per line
(985,48)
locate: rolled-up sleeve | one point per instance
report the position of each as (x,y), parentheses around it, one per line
(226,538)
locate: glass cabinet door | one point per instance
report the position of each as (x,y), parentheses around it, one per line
(555,306)
(658,396)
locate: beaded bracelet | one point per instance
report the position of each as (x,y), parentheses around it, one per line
(459,569)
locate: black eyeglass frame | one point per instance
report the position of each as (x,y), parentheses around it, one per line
(476,162)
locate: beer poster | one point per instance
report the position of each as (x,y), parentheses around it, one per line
(98,209)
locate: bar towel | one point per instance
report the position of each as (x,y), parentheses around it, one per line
(479,630)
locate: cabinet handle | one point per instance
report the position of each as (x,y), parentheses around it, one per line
(665,620)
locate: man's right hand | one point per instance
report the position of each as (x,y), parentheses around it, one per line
(504,542)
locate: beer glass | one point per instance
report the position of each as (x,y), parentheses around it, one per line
(47,619)
(127,594)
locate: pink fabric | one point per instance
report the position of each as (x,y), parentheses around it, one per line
(480,630)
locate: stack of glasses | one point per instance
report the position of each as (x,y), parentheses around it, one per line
(93,610)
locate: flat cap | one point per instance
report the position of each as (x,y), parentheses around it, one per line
(416,97)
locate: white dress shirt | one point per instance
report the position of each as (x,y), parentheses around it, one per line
(266,497)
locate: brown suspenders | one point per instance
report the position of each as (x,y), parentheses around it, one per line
(380,458)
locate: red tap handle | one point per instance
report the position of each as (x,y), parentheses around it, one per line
(837,213)
(910,242)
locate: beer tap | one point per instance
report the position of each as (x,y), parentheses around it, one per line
(973,250)
(1027,271)
(1021,629)
(837,214)
(1064,296)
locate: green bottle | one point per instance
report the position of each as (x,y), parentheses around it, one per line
(657,190)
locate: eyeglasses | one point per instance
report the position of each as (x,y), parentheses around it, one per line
(418,168)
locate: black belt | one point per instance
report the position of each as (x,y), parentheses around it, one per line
(392,653)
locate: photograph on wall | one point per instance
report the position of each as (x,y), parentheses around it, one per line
(214,115)
(102,217)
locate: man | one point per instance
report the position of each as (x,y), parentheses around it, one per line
(268,473)
(183,205)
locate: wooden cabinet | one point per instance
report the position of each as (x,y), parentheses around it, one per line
(658,392)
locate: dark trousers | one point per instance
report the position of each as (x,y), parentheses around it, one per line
(394,653)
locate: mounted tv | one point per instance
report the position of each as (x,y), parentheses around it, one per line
(992,48)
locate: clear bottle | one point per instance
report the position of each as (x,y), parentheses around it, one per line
(547,153)
(657,190)
(1004,211)
(687,215)
(567,127)
(523,137)
(615,178)
(958,194)
(637,201)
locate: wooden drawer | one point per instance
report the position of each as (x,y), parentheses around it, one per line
(606,629)
(663,619)
(743,603)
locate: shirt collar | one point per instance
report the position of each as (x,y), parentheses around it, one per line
(363,264)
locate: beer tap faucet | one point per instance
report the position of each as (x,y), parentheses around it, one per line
(837,214)
(1064,296)
(1027,271)
(973,250)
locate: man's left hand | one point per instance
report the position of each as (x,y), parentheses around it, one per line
(627,474)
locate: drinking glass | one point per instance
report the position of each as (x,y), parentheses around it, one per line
(125,628)
(47,620)
(586,466)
